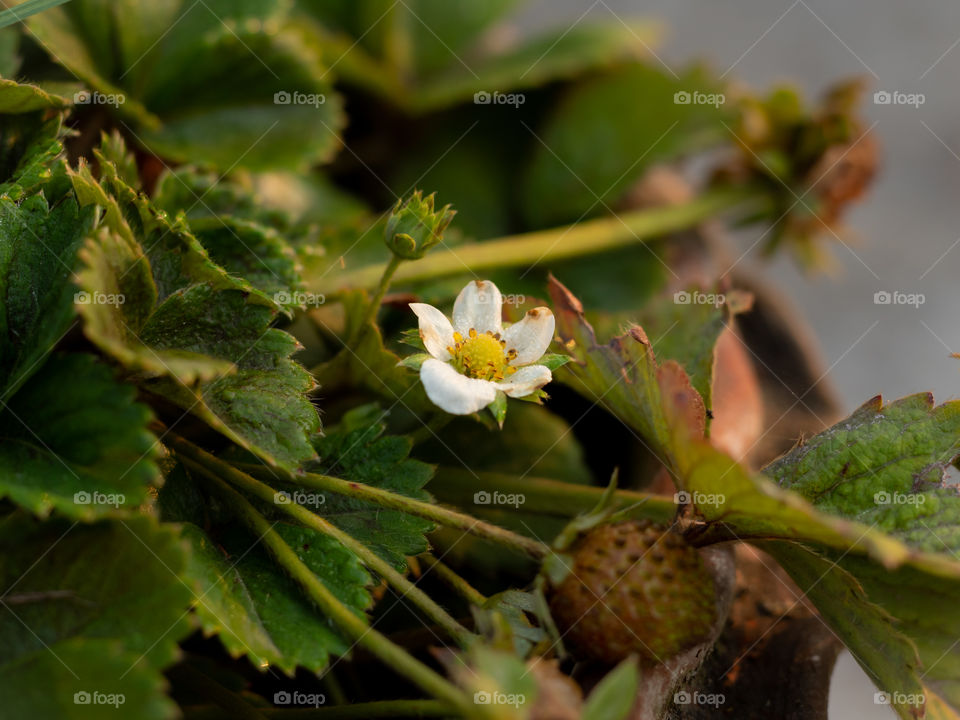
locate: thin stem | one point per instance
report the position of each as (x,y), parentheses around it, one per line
(562,243)
(452,579)
(355,627)
(371,314)
(550,497)
(195,457)
(429,511)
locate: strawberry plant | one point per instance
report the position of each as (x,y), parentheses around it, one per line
(357,362)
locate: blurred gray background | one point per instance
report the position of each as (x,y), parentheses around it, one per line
(907,231)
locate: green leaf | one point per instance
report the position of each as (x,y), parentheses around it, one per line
(885,466)
(655,399)
(498,408)
(256,253)
(202,82)
(872,635)
(357,450)
(613,696)
(75,441)
(898,450)
(78,620)
(415,361)
(688,331)
(559,54)
(38,248)
(924,608)
(554,361)
(192,332)
(496,677)
(245,599)
(602,136)
(257,611)
(26,9)
(17,98)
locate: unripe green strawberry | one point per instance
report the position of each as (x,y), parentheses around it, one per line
(634,587)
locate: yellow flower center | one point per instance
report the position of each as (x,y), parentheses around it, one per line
(482,355)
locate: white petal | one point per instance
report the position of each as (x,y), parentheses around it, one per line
(478,306)
(531,336)
(435,330)
(453,392)
(525,380)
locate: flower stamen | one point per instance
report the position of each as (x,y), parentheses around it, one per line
(482,355)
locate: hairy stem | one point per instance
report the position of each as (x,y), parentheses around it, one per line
(563,243)
(197,458)
(370,316)
(355,627)
(394,501)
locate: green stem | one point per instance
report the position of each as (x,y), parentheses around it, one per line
(195,457)
(353,626)
(549,497)
(370,317)
(429,511)
(452,579)
(556,244)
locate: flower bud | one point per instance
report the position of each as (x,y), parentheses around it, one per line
(414,227)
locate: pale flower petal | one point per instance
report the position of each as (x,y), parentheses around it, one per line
(453,392)
(531,336)
(435,330)
(525,380)
(478,306)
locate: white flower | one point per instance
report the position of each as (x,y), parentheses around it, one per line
(474,358)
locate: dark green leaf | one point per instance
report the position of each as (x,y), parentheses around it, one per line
(257,611)
(78,620)
(357,450)
(892,452)
(606,132)
(38,248)
(75,441)
(227,83)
